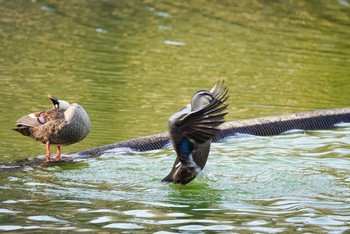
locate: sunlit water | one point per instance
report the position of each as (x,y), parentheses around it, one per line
(297,182)
(131,64)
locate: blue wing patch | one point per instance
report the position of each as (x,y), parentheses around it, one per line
(185,147)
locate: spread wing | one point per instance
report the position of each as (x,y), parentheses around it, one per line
(191,130)
(201,125)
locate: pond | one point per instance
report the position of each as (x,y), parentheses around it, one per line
(133,64)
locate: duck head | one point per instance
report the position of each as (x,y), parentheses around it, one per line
(58,104)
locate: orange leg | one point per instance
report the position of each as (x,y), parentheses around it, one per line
(47,160)
(58,157)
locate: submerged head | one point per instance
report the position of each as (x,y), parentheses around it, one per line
(59,104)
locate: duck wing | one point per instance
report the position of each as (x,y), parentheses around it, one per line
(34,120)
(191,130)
(201,125)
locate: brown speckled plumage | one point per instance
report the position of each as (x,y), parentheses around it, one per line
(64,124)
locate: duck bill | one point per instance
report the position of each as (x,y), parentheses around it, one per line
(54,100)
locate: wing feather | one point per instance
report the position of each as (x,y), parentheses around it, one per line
(30,120)
(201,125)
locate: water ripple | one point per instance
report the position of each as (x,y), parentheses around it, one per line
(265,190)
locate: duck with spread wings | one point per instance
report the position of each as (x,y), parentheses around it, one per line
(191,131)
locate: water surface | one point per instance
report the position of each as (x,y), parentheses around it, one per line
(131,65)
(290,183)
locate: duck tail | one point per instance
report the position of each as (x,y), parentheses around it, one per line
(24,130)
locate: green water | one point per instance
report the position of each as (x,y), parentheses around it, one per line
(133,64)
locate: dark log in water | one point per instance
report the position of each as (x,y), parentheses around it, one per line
(265,126)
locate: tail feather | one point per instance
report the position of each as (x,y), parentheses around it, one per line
(28,121)
(24,130)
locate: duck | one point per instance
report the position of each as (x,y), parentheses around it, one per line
(191,130)
(62,125)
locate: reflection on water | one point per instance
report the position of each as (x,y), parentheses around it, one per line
(131,65)
(246,186)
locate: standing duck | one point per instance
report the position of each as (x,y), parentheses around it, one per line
(64,124)
(191,130)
